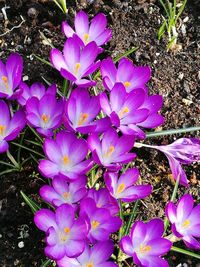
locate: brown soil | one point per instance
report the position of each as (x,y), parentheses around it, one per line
(174,75)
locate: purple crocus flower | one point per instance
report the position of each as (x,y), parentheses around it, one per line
(185,220)
(86,33)
(63,192)
(131,76)
(37,89)
(45,114)
(99,220)
(10,76)
(65,157)
(76,63)
(96,256)
(145,244)
(10,127)
(129,111)
(103,199)
(112,150)
(183,150)
(65,235)
(81,111)
(123,188)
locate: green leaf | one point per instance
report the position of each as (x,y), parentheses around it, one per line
(162,30)
(32,204)
(180,10)
(186,252)
(43,60)
(46,263)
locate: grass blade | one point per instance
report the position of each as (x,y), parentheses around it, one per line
(32,204)
(43,60)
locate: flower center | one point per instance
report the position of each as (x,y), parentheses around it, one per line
(120,188)
(66,195)
(95,224)
(64,237)
(144,249)
(45,118)
(186,224)
(90,264)
(127,84)
(77,67)
(67,230)
(123,111)
(2,129)
(65,160)
(86,38)
(5,81)
(110,151)
(83,117)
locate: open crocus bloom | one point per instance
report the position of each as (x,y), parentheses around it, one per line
(112,150)
(10,76)
(100,222)
(146,244)
(96,256)
(130,111)
(81,111)
(66,156)
(63,192)
(76,63)
(37,89)
(185,220)
(124,188)
(96,31)
(183,150)
(65,235)
(45,114)
(130,76)
(10,127)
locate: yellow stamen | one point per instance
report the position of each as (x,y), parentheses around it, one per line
(66,195)
(5,81)
(127,84)
(77,67)
(63,238)
(86,38)
(67,230)
(95,224)
(83,117)
(144,249)
(2,129)
(123,111)
(120,188)
(45,118)
(186,224)
(90,264)
(110,151)
(65,160)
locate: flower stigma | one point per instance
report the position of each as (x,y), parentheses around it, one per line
(95,224)
(83,117)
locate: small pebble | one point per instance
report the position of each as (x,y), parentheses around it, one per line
(32,13)
(25,78)
(21,244)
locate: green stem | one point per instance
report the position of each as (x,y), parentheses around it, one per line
(36,134)
(122,217)
(172,131)
(64,87)
(11,158)
(130,221)
(28,149)
(185,252)
(173,197)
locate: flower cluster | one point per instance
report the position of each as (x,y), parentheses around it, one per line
(88,137)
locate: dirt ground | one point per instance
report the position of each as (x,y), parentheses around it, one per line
(175,75)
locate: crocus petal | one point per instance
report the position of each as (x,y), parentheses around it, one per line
(191,242)
(81,23)
(153,120)
(154,261)
(48,168)
(52,150)
(68,31)
(3,146)
(117,96)
(104,37)
(66,261)
(56,252)
(102,251)
(184,207)
(65,216)
(126,245)
(48,193)
(44,219)
(171,212)
(14,67)
(4,113)
(159,246)
(57,59)
(74,248)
